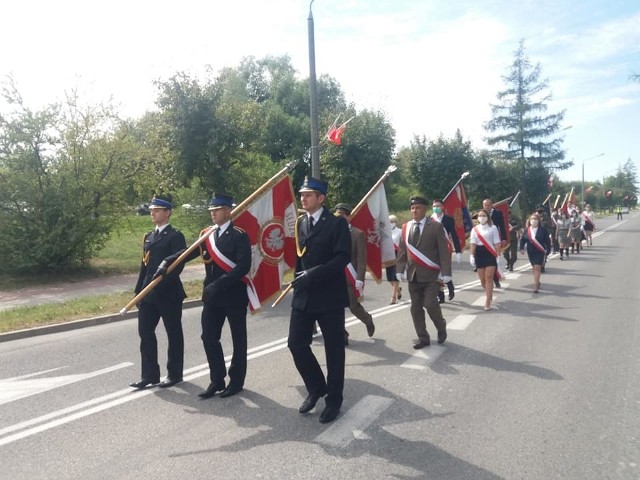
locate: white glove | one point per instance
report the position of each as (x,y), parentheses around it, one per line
(472,261)
(360,285)
(446,278)
(458,257)
(499,261)
(400,277)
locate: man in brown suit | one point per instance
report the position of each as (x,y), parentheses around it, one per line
(424,261)
(359,264)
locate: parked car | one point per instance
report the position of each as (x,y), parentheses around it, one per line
(625,209)
(142,209)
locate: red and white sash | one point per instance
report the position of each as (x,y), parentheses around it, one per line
(352,276)
(227,265)
(587,219)
(485,243)
(416,255)
(492,250)
(533,241)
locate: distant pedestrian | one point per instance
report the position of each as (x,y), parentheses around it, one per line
(497,219)
(575,232)
(357,270)
(396,289)
(536,239)
(164,301)
(589,223)
(484,245)
(618,212)
(563,236)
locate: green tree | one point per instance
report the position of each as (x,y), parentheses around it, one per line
(62,171)
(524,132)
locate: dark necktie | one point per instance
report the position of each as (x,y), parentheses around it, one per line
(311,224)
(155,235)
(216,234)
(416,234)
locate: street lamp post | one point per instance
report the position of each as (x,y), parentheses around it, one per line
(586,159)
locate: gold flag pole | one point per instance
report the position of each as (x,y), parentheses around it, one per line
(390,169)
(514,199)
(546,199)
(555,204)
(234,213)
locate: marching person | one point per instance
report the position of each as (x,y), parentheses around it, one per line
(497,219)
(575,232)
(562,233)
(227,261)
(320,294)
(356,272)
(165,300)
(511,252)
(396,289)
(589,218)
(484,250)
(424,261)
(536,238)
(449,225)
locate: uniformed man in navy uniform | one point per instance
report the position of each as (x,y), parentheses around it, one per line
(165,300)
(323,245)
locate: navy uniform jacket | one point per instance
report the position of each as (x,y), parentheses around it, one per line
(449,225)
(498,220)
(235,245)
(170,289)
(542,236)
(326,251)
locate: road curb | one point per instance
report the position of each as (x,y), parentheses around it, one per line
(76,324)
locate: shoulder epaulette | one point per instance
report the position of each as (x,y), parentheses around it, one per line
(235,227)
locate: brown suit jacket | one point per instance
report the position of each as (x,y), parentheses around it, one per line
(433,244)
(358,252)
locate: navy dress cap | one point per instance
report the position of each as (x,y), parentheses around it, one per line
(314,185)
(161,201)
(220,200)
(418,201)
(345,207)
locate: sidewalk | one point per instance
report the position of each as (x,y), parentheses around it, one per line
(61,292)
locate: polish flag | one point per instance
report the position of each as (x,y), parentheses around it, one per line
(373,220)
(456,206)
(270,222)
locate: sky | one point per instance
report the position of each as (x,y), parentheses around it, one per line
(433,66)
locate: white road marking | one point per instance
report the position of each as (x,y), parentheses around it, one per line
(12,389)
(461,322)
(353,423)
(422,358)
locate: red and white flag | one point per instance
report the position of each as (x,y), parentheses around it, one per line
(270,222)
(455,205)
(373,220)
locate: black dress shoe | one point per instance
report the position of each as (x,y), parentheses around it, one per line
(421,344)
(441,297)
(211,390)
(230,391)
(309,403)
(452,292)
(169,382)
(496,283)
(371,328)
(329,414)
(144,383)
(442,336)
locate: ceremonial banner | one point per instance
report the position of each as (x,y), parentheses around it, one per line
(269,222)
(373,220)
(455,205)
(503,206)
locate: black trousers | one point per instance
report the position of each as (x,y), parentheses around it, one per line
(212,320)
(148,318)
(300,337)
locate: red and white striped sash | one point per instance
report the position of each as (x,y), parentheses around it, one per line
(352,276)
(416,255)
(485,243)
(227,265)
(533,241)
(587,219)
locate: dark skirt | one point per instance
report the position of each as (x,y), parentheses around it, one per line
(588,227)
(536,257)
(484,258)
(391,273)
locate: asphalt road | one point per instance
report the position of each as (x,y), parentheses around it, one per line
(542,387)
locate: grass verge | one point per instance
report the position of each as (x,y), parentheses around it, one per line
(84,307)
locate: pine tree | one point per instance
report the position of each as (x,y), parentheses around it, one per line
(524,132)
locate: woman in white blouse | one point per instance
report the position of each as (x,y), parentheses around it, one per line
(484,248)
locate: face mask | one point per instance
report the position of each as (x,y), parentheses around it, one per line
(437,210)
(482,220)
(534,223)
